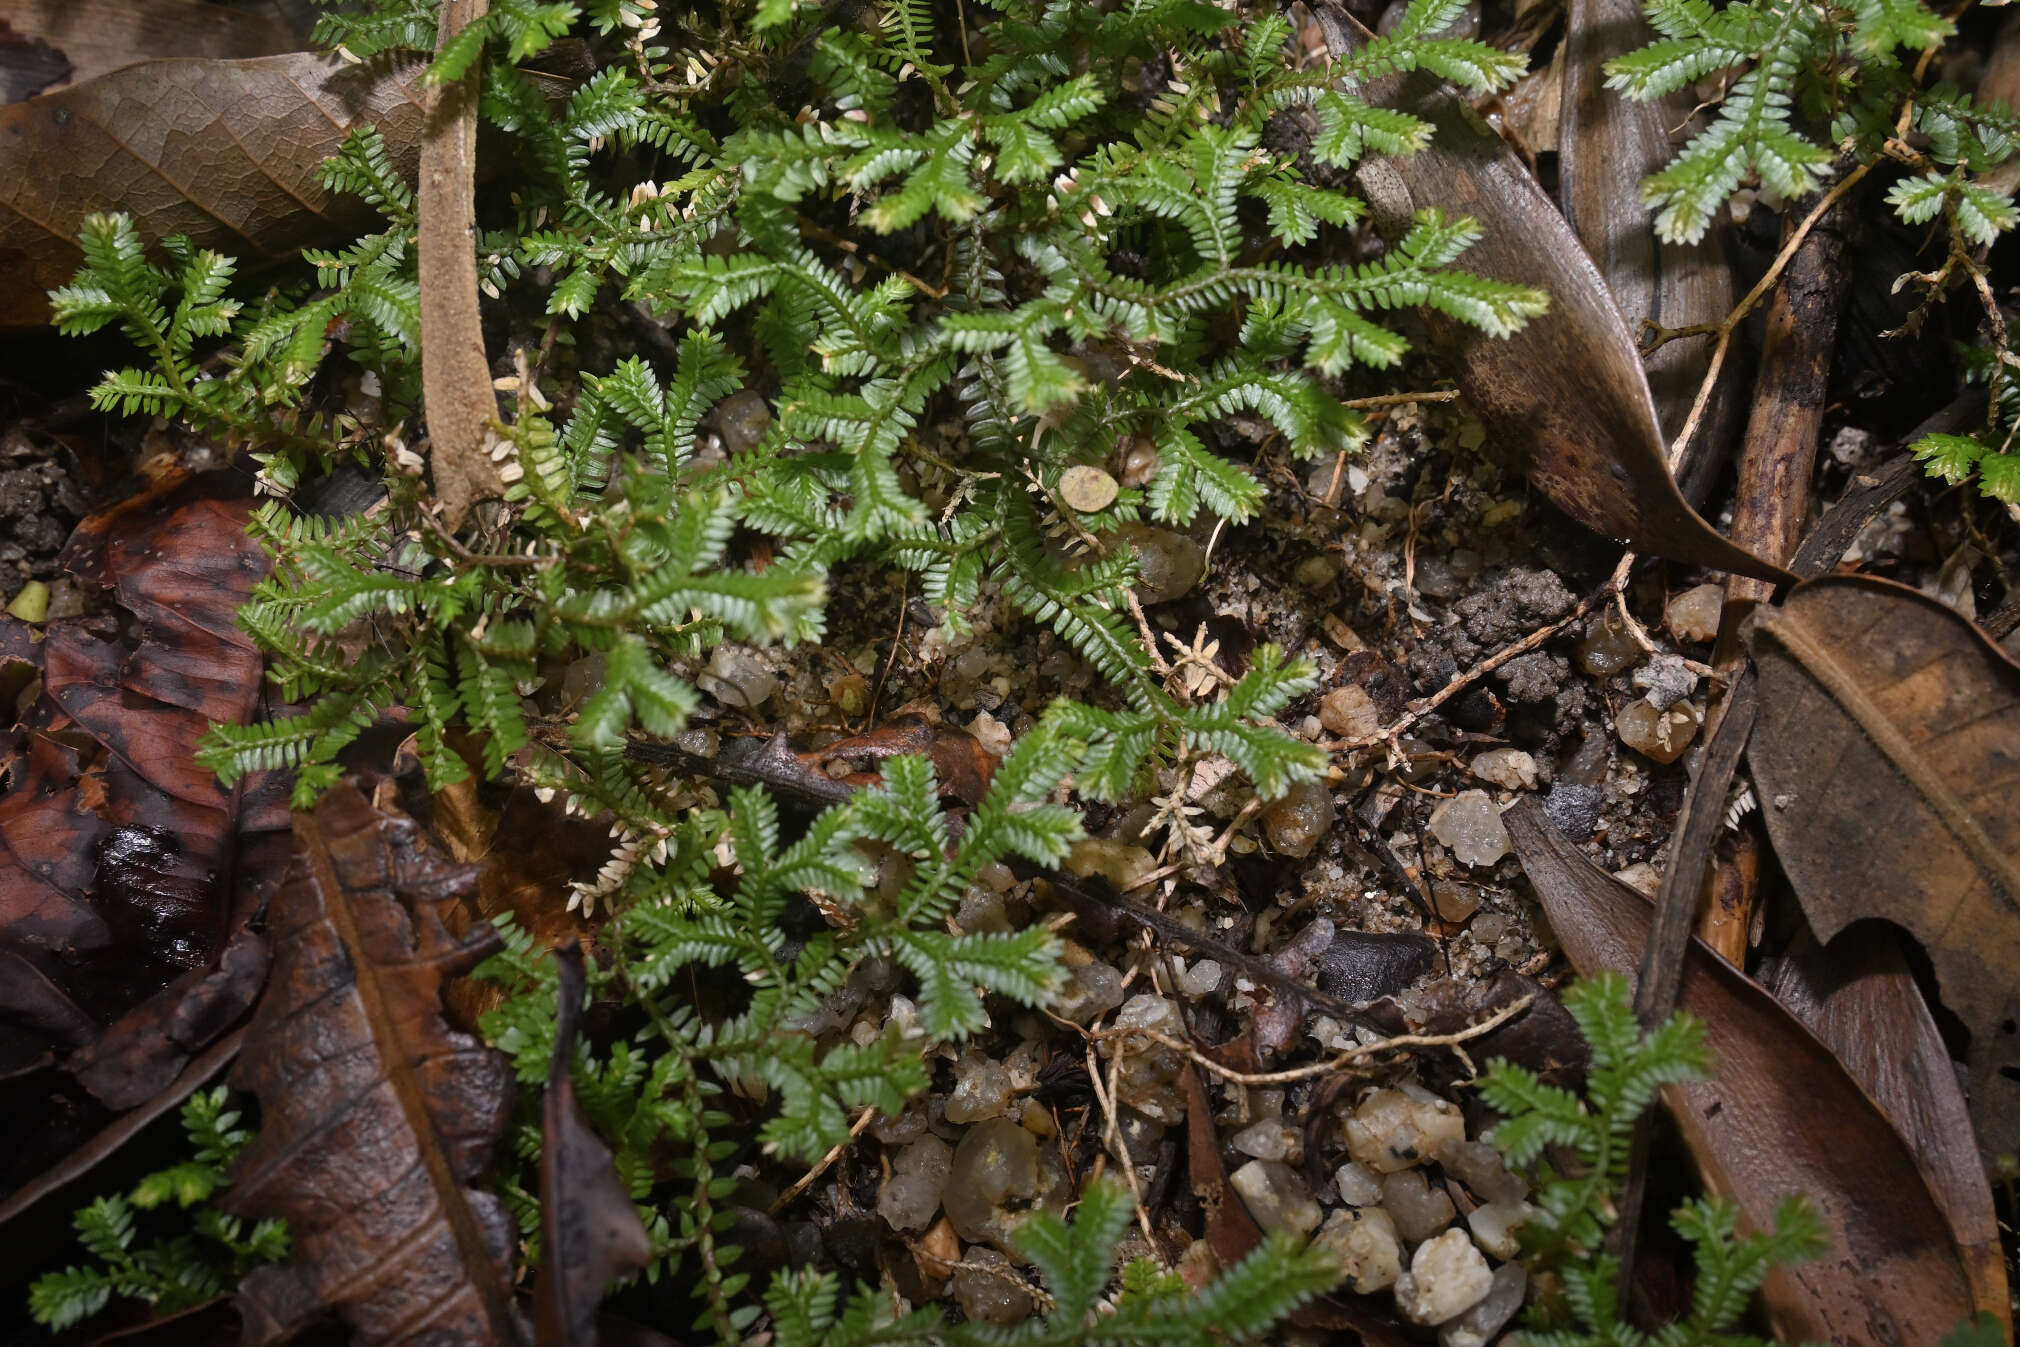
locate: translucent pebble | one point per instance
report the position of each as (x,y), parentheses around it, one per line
(1420,1210)
(742,419)
(1350,712)
(982,911)
(981,1090)
(1366,1244)
(1401,1128)
(1140,462)
(1477,1326)
(1358,1185)
(1093,990)
(1693,615)
(1201,978)
(1447,1277)
(1470,826)
(1295,823)
(1494,1225)
(737,679)
(1609,649)
(910,1197)
(1479,1166)
(1661,735)
(1168,564)
(1149,1077)
(1119,863)
(1265,1140)
(1508,768)
(1276,1197)
(989,1291)
(996,1160)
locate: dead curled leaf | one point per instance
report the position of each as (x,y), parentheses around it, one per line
(1780,1116)
(590,1233)
(1567,392)
(374,1115)
(1887,760)
(227,152)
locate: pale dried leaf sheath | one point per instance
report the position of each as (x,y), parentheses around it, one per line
(226,152)
(455,376)
(1888,758)
(374,1116)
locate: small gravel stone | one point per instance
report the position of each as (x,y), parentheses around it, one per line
(1266,1140)
(1296,823)
(1276,1197)
(1093,990)
(981,1090)
(1119,863)
(1359,1186)
(1642,877)
(1471,827)
(1664,681)
(1350,712)
(1168,564)
(996,1160)
(1366,1244)
(1494,1225)
(742,419)
(1420,1211)
(1660,735)
(1693,615)
(1201,979)
(737,680)
(1477,1326)
(1508,768)
(1396,1129)
(1447,1277)
(1480,1167)
(1087,488)
(910,1197)
(1609,649)
(982,912)
(1148,1080)
(988,1289)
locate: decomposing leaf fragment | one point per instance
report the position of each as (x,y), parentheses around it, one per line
(1567,391)
(1780,1116)
(227,152)
(590,1233)
(1887,759)
(374,1115)
(94,37)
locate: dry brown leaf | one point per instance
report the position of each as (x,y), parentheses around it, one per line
(455,375)
(1567,391)
(1607,145)
(1887,760)
(1858,996)
(590,1233)
(94,37)
(1780,1116)
(375,1117)
(226,152)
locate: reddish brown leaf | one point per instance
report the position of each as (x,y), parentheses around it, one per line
(142,1051)
(590,1233)
(1780,1116)
(960,762)
(374,1116)
(1888,760)
(1860,999)
(226,152)
(93,37)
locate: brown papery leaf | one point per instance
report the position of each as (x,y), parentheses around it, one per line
(590,1233)
(1607,145)
(374,1116)
(1567,391)
(226,152)
(93,37)
(1860,999)
(1888,760)
(1780,1116)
